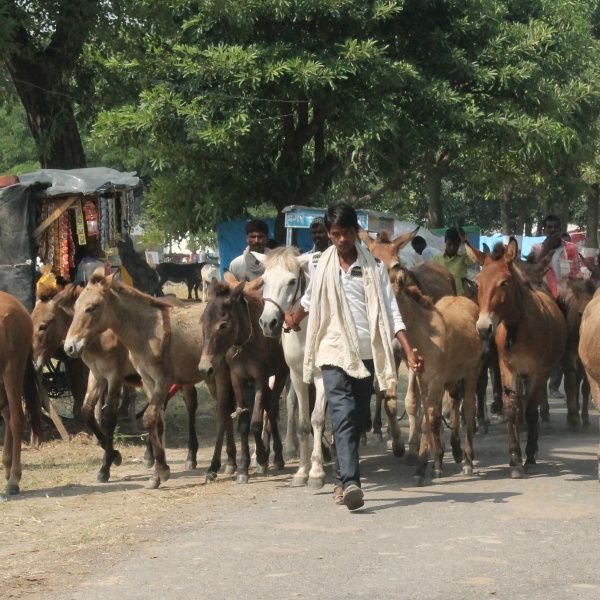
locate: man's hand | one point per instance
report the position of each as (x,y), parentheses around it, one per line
(416,363)
(463,235)
(552,243)
(289,321)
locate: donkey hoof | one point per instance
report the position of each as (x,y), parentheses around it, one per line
(190,465)
(103,477)
(390,444)
(468,470)
(457,455)
(419,480)
(148,463)
(316,482)
(253,463)
(398,450)
(12,489)
(152,483)
(164,474)
(411,459)
(242,478)
(229,470)
(377,438)
(516,472)
(531,468)
(279,465)
(298,481)
(262,469)
(210,477)
(438,473)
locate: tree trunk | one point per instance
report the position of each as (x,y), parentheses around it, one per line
(49,113)
(504,200)
(563,214)
(435,210)
(591,229)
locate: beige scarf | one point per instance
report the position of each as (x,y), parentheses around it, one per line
(331,336)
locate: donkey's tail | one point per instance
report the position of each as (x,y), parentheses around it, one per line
(33,403)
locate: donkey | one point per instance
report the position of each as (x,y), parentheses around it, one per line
(444,334)
(232,336)
(17,379)
(573,302)
(589,351)
(435,282)
(164,340)
(530,334)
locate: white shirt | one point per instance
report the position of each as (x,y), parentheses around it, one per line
(427,255)
(247,265)
(354,289)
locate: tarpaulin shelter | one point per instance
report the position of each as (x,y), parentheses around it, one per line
(43,214)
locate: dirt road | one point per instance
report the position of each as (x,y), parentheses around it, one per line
(457,537)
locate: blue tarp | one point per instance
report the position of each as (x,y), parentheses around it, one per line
(231,238)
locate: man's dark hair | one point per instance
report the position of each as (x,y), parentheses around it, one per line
(418,241)
(343,215)
(317,222)
(452,235)
(257,225)
(272,243)
(551,218)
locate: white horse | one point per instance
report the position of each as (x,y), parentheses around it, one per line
(209,273)
(285,281)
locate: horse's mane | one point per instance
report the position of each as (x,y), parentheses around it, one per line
(45,293)
(418,296)
(131,292)
(283,257)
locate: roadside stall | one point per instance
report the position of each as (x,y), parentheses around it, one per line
(59,219)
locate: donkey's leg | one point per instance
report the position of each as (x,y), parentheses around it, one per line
(281,379)
(512,415)
(455,425)
(13,384)
(262,398)
(109,423)
(302,396)
(482,381)
(154,424)
(292,444)
(316,476)
(536,389)
(7,447)
(377,436)
(95,391)
(571,383)
(496,376)
(222,415)
(585,397)
(240,390)
(190,396)
(391,409)
(412,402)
(470,385)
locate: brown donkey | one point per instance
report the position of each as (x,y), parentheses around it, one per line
(444,335)
(589,350)
(17,379)
(530,334)
(107,360)
(232,332)
(164,340)
(573,302)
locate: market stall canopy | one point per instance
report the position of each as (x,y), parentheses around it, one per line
(80,181)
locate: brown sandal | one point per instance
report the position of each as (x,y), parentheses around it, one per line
(338,494)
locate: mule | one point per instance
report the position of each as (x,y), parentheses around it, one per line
(190,274)
(435,281)
(18,379)
(232,336)
(573,302)
(530,334)
(589,351)
(164,340)
(144,277)
(444,335)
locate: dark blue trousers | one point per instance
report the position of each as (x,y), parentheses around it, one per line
(349,400)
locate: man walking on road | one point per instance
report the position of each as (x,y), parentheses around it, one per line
(353,318)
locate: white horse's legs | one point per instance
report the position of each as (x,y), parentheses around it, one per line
(316,477)
(301,476)
(291,438)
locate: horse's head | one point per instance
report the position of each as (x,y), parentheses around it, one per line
(499,294)
(385,249)
(221,324)
(92,314)
(51,316)
(283,284)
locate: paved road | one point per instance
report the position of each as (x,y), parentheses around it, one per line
(458,537)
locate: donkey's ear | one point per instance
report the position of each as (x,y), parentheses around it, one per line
(365,237)
(259,257)
(398,277)
(67,297)
(97,276)
(255,285)
(471,288)
(475,255)
(512,251)
(237,291)
(402,240)
(230,279)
